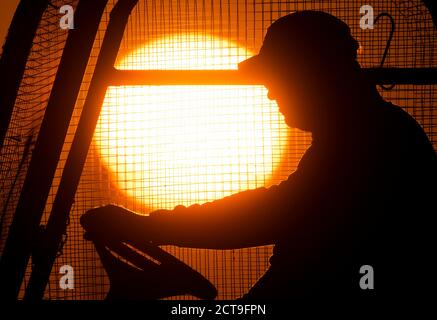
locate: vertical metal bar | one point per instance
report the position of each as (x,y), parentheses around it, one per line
(23,231)
(79,149)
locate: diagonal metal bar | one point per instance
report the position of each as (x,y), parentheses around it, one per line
(14,57)
(63,202)
(24,230)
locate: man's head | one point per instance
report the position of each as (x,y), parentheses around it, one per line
(307,62)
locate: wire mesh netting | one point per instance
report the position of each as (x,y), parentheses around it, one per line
(29,108)
(161,146)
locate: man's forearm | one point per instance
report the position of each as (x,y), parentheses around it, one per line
(229,223)
(205,232)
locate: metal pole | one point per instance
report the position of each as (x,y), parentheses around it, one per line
(419,76)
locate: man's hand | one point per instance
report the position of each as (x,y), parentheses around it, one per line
(110,228)
(114,223)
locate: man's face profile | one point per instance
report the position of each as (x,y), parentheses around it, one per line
(294,91)
(307,62)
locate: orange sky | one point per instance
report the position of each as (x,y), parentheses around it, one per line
(7,9)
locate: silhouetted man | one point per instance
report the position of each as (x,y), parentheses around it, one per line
(361,195)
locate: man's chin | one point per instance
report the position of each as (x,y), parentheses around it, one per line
(296,125)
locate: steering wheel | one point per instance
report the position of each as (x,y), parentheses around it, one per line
(149,272)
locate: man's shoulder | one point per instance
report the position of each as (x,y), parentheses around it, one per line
(404,133)
(398,127)
(398,118)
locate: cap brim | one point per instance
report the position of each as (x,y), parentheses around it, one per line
(254,65)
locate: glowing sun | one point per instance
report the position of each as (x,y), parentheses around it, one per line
(170,145)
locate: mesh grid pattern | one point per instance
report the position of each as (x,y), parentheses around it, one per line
(238,27)
(29,109)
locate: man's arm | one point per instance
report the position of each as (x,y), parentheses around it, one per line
(246,219)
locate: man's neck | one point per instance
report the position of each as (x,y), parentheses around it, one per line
(350,119)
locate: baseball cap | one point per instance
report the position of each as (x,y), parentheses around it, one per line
(302,36)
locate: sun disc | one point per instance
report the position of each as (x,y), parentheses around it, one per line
(171,145)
